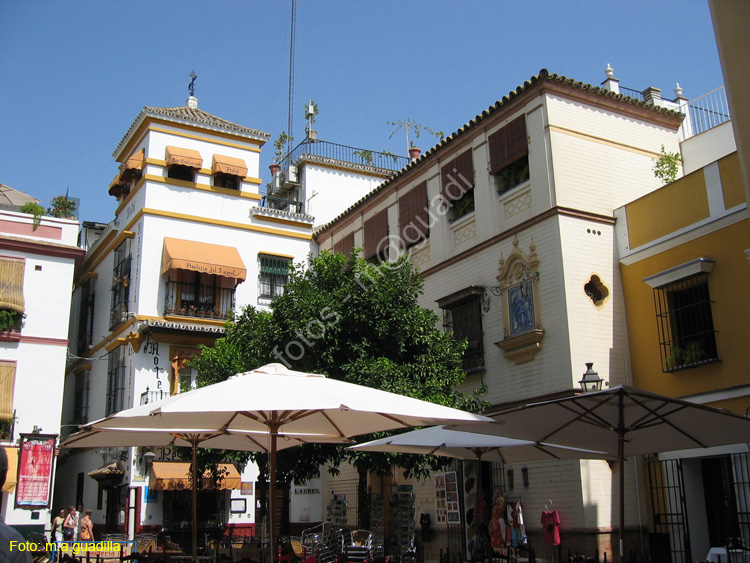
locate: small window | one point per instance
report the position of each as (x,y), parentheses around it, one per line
(7,385)
(81,398)
(687,338)
(116,380)
(181,172)
(457,185)
(228,181)
(596,290)
(462,317)
(509,161)
(274,275)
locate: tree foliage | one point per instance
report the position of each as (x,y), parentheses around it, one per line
(355,322)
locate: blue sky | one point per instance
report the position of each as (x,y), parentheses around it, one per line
(76,73)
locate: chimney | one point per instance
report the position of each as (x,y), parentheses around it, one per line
(652,95)
(414,153)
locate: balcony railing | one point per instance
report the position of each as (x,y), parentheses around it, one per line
(709,110)
(290,205)
(198,301)
(344,153)
(148,397)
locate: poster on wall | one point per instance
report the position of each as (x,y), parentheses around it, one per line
(36,460)
(446,498)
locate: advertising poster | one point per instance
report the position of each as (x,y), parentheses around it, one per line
(36,460)
(446,498)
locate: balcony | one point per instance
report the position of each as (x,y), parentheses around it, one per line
(282,204)
(148,397)
(325,151)
(198,301)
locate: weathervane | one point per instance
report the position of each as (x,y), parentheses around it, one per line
(191,86)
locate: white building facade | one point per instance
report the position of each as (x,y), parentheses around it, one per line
(37,262)
(510,221)
(192,241)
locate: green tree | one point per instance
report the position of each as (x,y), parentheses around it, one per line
(355,322)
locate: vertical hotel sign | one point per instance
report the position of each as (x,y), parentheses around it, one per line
(36,461)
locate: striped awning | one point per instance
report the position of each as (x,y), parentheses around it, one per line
(179,254)
(184,157)
(11,284)
(228,165)
(175,476)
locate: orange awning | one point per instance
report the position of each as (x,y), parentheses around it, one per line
(229,165)
(135,162)
(12,477)
(215,259)
(185,157)
(175,476)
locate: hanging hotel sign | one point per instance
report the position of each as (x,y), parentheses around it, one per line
(36,462)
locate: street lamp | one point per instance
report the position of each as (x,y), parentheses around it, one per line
(591,380)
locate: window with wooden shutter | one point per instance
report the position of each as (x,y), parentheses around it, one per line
(509,150)
(376,235)
(413,215)
(345,245)
(457,177)
(7,384)
(11,284)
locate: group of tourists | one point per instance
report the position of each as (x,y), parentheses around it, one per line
(72,525)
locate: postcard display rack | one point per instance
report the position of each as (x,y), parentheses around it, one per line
(377,524)
(337,510)
(402,517)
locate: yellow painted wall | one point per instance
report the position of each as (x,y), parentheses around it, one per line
(731,181)
(728,286)
(668,209)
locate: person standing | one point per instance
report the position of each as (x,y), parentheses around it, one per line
(70,525)
(56,534)
(79,517)
(8,534)
(87,527)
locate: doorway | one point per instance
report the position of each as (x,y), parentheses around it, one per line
(721,504)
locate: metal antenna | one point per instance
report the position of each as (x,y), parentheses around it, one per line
(291,77)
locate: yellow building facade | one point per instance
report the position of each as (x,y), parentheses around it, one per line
(685,276)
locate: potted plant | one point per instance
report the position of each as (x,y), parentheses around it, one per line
(311,110)
(417,129)
(33,209)
(279,146)
(365,155)
(10,320)
(62,207)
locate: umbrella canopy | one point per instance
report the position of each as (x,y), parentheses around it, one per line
(276,401)
(622,421)
(298,402)
(10,196)
(443,441)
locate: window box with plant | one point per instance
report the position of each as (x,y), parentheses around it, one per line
(7,422)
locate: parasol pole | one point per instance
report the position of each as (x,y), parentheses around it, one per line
(621,469)
(274,429)
(194,443)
